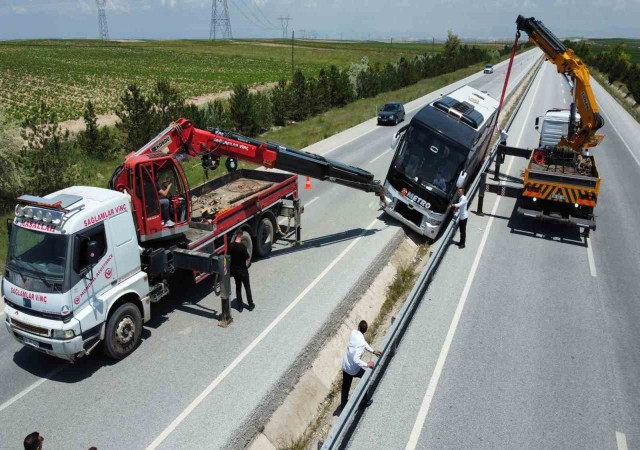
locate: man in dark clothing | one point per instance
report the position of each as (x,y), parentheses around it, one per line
(33,441)
(239,260)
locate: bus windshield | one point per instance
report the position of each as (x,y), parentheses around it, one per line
(429,159)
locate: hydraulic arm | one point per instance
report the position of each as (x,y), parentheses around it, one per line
(566,62)
(181,138)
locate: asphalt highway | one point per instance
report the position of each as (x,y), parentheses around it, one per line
(193,384)
(528,338)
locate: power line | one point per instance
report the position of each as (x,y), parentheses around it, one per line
(261,22)
(253,21)
(262,14)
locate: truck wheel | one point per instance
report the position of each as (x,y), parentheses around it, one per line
(265,236)
(123,332)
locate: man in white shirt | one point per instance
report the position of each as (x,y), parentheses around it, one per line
(461,206)
(352,363)
(503,140)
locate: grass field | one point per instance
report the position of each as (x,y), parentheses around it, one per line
(67,73)
(632,46)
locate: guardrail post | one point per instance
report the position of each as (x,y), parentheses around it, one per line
(225,288)
(482,188)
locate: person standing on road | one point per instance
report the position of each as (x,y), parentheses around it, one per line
(352,363)
(33,441)
(503,136)
(461,206)
(503,141)
(239,261)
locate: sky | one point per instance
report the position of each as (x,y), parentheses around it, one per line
(332,19)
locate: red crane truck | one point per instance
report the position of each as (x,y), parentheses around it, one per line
(85,264)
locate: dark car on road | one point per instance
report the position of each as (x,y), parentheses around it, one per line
(391,113)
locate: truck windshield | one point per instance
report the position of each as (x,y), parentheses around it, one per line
(37,260)
(429,159)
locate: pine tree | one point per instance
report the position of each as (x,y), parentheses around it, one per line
(242,111)
(50,156)
(137,117)
(11,164)
(299,97)
(280,104)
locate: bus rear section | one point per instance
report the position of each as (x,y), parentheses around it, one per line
(440,150)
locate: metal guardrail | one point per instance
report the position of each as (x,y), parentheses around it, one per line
(349,417)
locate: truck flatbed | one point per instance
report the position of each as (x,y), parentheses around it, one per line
(212,201)
(220,205)
(554,168)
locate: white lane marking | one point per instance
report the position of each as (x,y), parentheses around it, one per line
(621,440)
(200,398)
(592,262)
(444,351)
(349,141)
(621,138)
(311,201)
(380,156)
(18,396)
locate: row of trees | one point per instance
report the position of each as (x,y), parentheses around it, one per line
(49,158)
(615,63)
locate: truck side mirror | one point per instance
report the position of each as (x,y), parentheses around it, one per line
(9,225)
(93,253)
(395,139)
(461,179)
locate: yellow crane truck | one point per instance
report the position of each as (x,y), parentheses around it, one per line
(561,180)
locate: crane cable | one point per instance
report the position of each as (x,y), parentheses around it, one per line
(506,80)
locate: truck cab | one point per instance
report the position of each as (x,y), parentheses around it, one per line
(73,264)
(555,124)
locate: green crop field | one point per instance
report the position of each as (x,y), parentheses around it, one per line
(632,46)
(67,73)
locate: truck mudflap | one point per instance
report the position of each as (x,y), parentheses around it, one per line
(581,222)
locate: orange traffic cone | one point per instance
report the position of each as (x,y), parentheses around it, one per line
(307,185)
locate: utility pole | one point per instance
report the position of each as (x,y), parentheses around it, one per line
(433,43)
(293,34)
(284,22)
(103,29)
(220,22)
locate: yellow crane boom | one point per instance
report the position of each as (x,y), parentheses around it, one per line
(584,136)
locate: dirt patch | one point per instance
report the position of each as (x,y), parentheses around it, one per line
(273,44)
(109,120)
(225,95)
(226,196)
